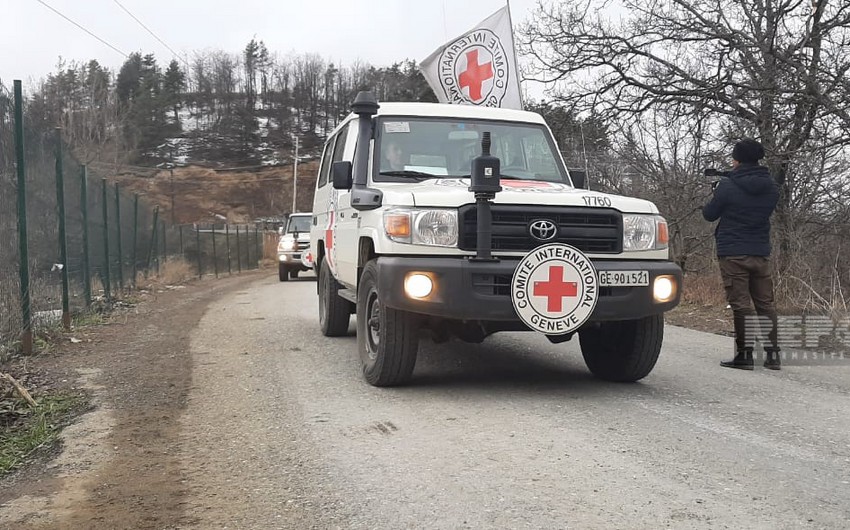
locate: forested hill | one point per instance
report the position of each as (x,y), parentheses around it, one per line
(213,107)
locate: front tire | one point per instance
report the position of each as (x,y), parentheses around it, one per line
(387,339)
(623,351)
(282,272)
(293,273)
(334,311)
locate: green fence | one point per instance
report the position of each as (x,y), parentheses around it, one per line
(72,241)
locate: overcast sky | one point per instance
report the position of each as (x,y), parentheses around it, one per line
(376,31)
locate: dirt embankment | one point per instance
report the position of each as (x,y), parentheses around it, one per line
(240,195)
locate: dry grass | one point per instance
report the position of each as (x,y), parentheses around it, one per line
(174,271)
(270,240)
(704,290)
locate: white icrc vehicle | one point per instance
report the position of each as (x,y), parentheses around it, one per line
(293,246)
(396,240)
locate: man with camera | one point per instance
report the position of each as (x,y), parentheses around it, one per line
(743,200)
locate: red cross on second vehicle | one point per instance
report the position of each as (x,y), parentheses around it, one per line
(554,289)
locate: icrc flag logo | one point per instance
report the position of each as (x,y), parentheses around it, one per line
(477,68)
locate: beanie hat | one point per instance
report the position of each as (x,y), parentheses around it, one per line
(748,151)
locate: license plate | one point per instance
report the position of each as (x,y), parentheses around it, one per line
(623,278)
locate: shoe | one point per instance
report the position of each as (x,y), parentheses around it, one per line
(743,360)
(772,360)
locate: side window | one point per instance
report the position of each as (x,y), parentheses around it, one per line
(324,169)
(339,146)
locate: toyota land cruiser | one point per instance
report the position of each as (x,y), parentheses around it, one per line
(464,221)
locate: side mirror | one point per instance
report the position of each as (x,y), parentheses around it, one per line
(341,175)
(579,178)
(280,230)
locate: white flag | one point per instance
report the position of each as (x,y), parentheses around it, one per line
(479,67)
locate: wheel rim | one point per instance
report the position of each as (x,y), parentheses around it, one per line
(373,325)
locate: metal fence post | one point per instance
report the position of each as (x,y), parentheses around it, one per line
(23,268)
(227,242)
(63,246)
(215,255)
(157,253)
(84,208)
(118,233)
(257,247)
(152,244)
(107,283)
(198,244)
(180,231)
(247,248)
(135,237)
(238,251)
(164,243)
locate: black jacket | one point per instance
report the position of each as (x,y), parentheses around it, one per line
(743,202)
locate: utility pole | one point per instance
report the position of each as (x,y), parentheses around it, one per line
(295,176)
(171,166)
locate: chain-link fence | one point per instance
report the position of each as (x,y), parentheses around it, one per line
(113,240)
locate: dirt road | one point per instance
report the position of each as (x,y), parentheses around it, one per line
(237,413)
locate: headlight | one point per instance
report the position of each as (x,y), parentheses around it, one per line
(287,244)
(644,232)
(422,227)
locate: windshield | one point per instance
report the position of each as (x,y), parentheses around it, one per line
(428,148)
(299,224)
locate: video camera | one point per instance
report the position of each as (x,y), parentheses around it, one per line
(711,172)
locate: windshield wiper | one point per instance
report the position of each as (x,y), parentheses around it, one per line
(507,177)
(408,173)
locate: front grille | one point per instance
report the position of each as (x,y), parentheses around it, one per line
(303,245)
(492,284)
(500,285)
(593,230)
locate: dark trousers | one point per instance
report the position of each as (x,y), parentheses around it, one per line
(748,283)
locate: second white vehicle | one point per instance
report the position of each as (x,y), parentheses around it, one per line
(293,243)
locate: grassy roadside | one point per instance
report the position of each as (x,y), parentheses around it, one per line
(26,431)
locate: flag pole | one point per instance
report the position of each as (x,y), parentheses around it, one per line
(516,64)
(445,26)
(584,152)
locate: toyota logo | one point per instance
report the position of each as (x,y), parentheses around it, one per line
(543,229)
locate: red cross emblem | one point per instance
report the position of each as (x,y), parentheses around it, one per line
(329,239)
(475,75)
(555,289)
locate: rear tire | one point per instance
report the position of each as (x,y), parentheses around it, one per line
(623,351)
(282,272)
(387,339)
(334,311)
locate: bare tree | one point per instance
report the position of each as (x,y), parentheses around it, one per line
(776,68)
(773,69)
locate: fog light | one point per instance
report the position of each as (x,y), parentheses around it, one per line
(664,288)
(418,285)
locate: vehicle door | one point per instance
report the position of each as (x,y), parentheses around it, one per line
(322,200)
(346,231)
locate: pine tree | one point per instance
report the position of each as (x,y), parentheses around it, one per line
(173,85)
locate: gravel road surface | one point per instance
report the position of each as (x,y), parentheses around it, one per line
(281,431)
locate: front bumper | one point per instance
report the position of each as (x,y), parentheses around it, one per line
(292,260)
(469,290)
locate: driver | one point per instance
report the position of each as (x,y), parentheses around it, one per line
(395,155)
